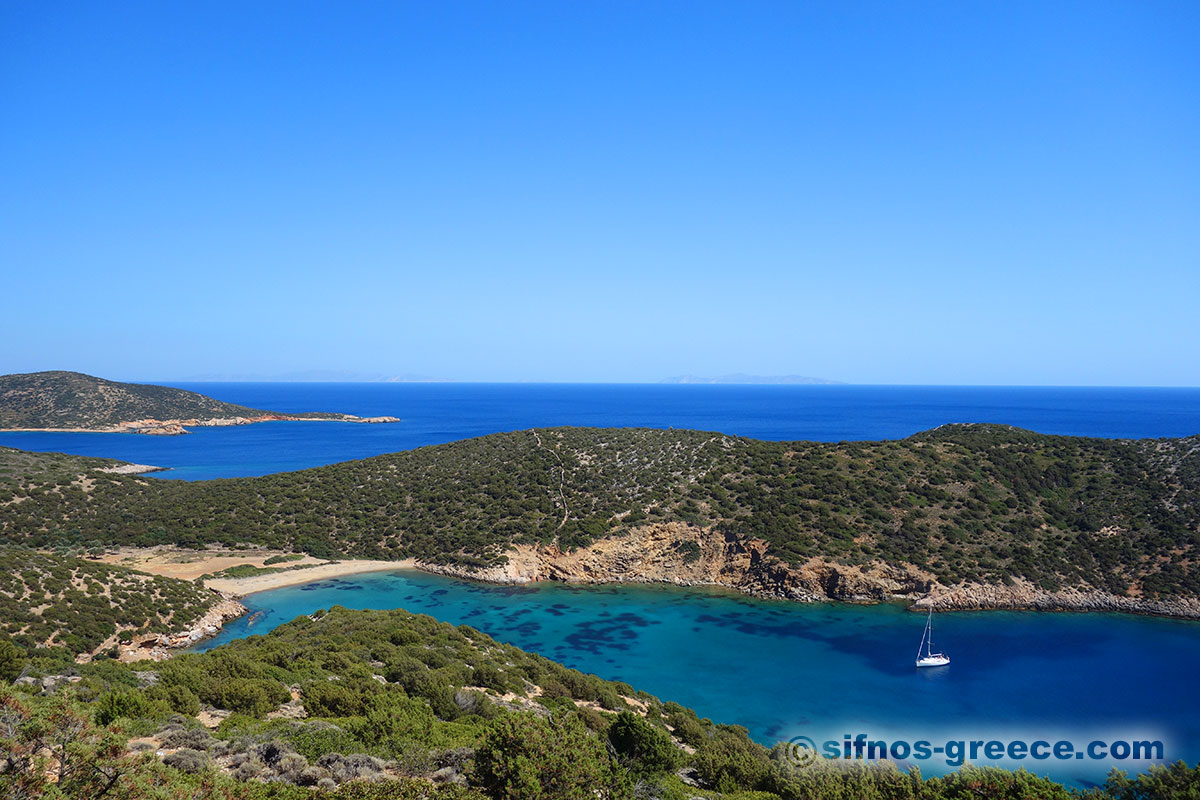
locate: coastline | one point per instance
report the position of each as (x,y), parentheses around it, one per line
(651,554)
(240,587)
(647,556)
(231,591)
(288,569)
(177,427)
(133,469)
(971,598)
(192,565)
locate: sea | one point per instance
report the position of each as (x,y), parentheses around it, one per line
(826,671)
(435,413)
(783,670)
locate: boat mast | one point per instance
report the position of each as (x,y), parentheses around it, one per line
(929,631)
(925,633)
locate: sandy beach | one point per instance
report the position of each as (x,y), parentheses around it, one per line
(275,580)
(185,564)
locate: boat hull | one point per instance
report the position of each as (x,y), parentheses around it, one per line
(933,661)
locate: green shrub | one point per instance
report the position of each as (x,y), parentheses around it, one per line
(127,704)
(333,699)
(686,727)
(252,696)
(489,677)
(731,761)
(646,749)
(12,660)
(525,757)
(280,559)
(179,699)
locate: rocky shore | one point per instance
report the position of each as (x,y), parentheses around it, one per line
(132,469)
(176,427)
(159,646)
(1024,596)
(683,555)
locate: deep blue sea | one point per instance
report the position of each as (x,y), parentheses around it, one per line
(787,669)
(781,669)
(438,413)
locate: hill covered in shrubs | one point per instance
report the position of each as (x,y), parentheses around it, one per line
(967,503)
(72,400)
(75,604)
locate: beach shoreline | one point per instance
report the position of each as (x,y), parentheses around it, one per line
(529,566)
(197,565)
(241,587)
(288,569)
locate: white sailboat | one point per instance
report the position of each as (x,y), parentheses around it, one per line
(930,658)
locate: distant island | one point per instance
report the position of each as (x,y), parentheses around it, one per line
(72,401)
(741,377)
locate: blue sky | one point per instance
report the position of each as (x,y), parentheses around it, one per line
(947,193)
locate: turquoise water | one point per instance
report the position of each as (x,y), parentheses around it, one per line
(784,669)
(437,413)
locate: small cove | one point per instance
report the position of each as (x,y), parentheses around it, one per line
(822,670)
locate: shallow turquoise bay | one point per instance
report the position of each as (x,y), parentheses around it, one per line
(824,670)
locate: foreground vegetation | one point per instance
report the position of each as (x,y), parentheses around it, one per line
(979,503)
(388,705)
(76,605)
(74,400)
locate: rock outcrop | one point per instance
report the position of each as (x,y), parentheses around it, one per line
(131,469)
(158,646)
(686,555)
(1023,595)
(46,684)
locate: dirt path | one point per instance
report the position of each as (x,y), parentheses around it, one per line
(562,479)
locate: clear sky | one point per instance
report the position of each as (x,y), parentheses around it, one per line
(958,192)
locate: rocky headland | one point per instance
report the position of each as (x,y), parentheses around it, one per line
(74,402)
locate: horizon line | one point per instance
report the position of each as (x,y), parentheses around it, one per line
(825,385)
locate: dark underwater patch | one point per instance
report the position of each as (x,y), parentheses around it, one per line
(612,634)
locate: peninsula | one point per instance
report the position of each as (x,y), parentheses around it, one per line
(963,516)
(72,401)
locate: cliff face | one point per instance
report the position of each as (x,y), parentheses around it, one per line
(686,555)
